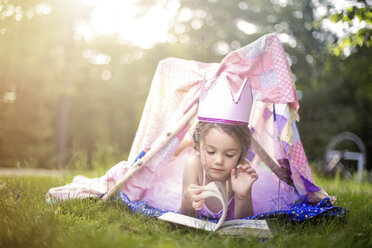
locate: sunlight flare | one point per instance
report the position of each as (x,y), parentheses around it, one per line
(129,21)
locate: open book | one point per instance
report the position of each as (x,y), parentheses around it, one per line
(258,228)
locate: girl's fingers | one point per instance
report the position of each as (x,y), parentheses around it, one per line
(197,198)
(244,166)
(196,189)
(197,205)
(233,173)
(246,169)
(252,172)
(195,192)
(194,186)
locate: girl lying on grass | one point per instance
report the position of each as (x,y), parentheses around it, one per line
(222,150)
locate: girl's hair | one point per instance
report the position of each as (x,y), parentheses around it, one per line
(240,132)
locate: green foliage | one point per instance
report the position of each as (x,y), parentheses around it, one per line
(26,220)
(44,73)
(336,95)
(339,101)
(363,36)
(59,107)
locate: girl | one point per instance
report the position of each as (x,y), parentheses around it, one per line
(221,157)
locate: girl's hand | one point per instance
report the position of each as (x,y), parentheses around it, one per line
(242,179)
(194,193)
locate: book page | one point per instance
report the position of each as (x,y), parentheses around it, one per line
(214,189)
(188,221)
(258,228)
(257,224)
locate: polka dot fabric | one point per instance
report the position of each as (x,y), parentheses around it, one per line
(299,212)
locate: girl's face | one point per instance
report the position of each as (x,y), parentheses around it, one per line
(219,153)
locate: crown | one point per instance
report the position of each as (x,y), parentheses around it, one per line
(220,105)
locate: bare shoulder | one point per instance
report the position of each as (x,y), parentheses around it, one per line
(193,168)
(193,161)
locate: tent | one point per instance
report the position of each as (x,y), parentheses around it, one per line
(276,153)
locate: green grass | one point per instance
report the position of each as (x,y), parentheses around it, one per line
(27,221)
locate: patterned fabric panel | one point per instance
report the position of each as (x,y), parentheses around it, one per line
(298,212)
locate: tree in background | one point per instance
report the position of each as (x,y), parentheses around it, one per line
(43,63)
(342,100)
(333,97)
(49,69)
(355,20)
(26,126)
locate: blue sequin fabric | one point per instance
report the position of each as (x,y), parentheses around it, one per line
(298,212)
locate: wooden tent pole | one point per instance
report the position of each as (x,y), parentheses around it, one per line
(266,158)
(160,143)
(167,136)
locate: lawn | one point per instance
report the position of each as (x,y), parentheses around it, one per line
(26,220)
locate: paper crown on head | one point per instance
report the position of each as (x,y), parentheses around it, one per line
(220,105)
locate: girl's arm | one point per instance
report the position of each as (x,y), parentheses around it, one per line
(242,179)
(243,206)
(191,191)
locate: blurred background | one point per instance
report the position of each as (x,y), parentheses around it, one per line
(74,74)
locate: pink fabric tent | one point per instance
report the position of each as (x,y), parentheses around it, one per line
(176,85)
